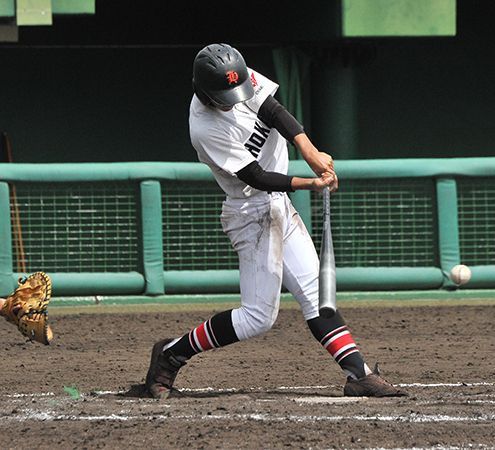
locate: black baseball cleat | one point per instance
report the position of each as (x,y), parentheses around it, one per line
(164,367)
(372,385)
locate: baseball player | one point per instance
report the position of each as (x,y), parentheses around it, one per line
(240,131)
(26,307)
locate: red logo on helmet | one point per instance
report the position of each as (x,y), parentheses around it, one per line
(232,77)
(254,81)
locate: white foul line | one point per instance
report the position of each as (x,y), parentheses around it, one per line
(36,394)
(257,389)
(300,388)
(257,417)
(445,384)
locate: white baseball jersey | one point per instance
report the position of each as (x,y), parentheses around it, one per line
(227,141)
(269,236)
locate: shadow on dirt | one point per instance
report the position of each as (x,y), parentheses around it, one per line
(139,391)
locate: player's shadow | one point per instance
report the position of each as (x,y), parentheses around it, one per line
(139,391)
(135,391)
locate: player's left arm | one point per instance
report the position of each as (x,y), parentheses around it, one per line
(255,176)
(275,115)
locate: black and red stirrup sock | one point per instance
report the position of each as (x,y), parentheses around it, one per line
(336,338)
(216,332)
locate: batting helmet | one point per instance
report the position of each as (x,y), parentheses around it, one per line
(220,76)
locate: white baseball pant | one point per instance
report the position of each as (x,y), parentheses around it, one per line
(274,248)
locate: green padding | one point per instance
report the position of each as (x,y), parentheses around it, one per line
(151,212)
(348,279)
(384,278)
(73,6)
(201,281)
(6,283)
(403,168)
(110,283)
(482,277)
(448,229)
(74,172)
(355,169)
(7,8)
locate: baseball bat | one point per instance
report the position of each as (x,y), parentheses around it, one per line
(15,216)
(327,280)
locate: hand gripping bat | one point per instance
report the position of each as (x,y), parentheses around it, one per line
(327,278)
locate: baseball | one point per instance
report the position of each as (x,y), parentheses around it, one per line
(460,274)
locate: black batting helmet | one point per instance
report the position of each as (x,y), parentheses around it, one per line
(220,76)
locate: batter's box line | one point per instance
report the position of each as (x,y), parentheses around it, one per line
(431,385)
(45,416)
(330,386)
(437,447)
(251,389)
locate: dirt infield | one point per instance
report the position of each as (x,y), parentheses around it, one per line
(278,390)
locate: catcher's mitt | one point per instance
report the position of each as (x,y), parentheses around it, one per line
(26,307)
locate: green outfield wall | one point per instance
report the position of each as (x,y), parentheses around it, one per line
(153,228)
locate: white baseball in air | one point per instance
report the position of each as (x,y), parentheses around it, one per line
(460,274)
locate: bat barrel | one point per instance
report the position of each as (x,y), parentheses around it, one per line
(327,288)
(327,276)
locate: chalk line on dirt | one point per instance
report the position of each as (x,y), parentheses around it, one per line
(252,389)
(44,416)
(30,395)
(461,384)
(436,447)
(327,400)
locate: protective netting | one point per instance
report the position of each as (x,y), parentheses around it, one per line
(381,223)
(94,227)
(193,238)
(68,227)
(476,210)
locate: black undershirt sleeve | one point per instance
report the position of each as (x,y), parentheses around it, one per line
(255,176)
(273,114)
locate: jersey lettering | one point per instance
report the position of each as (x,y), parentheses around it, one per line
(263,131)
(257,139)
(255,151)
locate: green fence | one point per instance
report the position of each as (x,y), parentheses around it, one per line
(153,228)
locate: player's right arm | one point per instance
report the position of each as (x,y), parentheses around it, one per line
(320,162)
(273,114)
